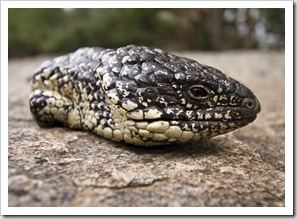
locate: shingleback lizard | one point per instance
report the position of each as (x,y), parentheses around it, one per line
(140,96)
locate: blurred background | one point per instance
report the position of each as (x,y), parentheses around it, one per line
(53,31)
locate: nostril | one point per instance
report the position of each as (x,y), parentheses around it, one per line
(248,102)
(252,104)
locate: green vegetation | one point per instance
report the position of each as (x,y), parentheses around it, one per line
(35,31)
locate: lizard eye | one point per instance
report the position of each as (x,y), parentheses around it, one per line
(198,92)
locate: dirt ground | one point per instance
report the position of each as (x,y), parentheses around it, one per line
(63,167)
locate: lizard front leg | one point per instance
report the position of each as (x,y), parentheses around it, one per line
(49,108)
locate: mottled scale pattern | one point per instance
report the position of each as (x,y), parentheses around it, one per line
(140,96)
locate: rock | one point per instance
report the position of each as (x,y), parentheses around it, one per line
(63,167)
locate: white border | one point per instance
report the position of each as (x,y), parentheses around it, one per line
(147,4)
(289,107)
(287,210)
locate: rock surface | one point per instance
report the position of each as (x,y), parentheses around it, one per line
(63,167)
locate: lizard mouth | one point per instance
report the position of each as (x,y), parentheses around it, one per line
(165,131)
(214,120)
(161,125)
(215,114)
(190,125)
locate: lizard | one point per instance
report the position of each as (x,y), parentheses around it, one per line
(140,96)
